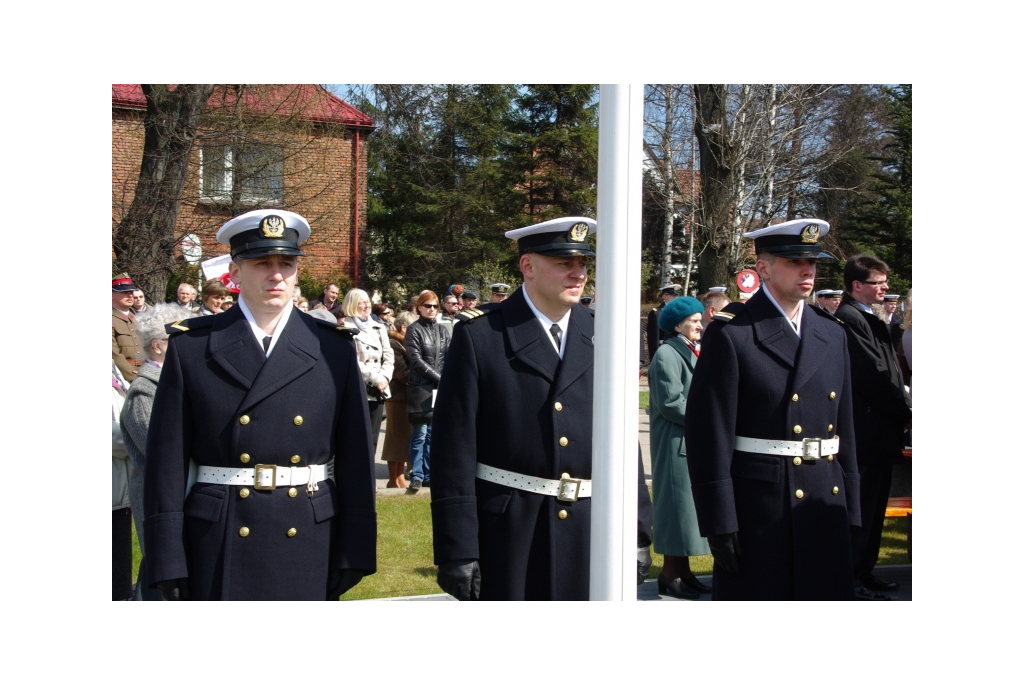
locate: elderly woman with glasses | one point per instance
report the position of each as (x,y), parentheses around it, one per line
(138,405)
(373,350)
(427,341)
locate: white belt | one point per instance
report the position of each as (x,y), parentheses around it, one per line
(808,448)
(265,476)
(566,490)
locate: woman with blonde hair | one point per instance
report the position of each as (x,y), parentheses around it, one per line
(376,359)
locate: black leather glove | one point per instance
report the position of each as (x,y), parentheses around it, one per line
(343,580)
(173,590)
(460,579)
(643,564)
(726,550)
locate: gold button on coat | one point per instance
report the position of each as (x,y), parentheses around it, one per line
(558,406)
(835,490)
(244,419)
(243,531)
(244,457)
(563,441)
(830,426)
(292,492)
(798,430)
(563,514)
(795,397)
(297,420)
(243,493)
(797,461)
(296,459)
(292,532)
(799,494)
(830,457)
(832,395)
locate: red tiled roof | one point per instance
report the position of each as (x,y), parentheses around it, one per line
(310,101)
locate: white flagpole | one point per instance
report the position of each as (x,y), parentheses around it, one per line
(617,343)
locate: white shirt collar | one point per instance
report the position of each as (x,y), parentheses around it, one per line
(797,320)
(545,322)
(258,332)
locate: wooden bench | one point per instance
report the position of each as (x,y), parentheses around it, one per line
(901,506)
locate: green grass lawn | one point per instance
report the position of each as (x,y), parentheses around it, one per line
(405,556)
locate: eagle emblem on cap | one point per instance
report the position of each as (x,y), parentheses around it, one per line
(272,226)
(578,232)
(810,233)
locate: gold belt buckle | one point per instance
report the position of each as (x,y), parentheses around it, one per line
(273,478)
(569,488)
(807,443)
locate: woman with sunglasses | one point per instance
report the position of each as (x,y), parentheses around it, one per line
(427,342)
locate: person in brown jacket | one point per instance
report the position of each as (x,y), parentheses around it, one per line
(125,345)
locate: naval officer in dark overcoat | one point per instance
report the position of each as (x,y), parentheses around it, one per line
(513,422)
(769,434)
(260,401)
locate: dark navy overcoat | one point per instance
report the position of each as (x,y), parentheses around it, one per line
(506,400)
(756,378)
(221,402)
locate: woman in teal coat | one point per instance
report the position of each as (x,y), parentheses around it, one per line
(675,519)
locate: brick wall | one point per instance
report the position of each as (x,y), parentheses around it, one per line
(319,183)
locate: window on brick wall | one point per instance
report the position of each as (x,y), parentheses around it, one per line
(250,173)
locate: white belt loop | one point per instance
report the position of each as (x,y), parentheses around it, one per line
(567,489)
(808,448)
(265,476)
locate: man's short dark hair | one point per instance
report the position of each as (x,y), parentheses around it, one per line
(859,268)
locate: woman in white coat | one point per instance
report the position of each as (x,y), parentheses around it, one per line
(376,358)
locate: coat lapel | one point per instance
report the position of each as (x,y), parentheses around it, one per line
(530,344)
(813,349)
(579,348)
(772,331)
(296,352)
(234,348)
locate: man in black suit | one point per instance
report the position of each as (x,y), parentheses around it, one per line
(881,408)
(776,491)
(260,402)
(511,485)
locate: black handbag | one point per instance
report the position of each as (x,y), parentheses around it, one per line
(419,402)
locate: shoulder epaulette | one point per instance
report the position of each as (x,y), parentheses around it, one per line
(469,314)
(728,312)
(723,316)
(185,325)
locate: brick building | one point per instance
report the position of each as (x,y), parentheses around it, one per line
(297,147)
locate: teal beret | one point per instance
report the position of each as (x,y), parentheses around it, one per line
(677,310)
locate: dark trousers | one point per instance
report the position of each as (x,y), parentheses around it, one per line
(121,546)
(376,418)
(875,481)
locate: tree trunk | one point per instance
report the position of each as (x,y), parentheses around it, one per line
(144,241)
(669,186)
(713,230)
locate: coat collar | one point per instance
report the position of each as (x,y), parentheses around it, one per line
(234,348)
(531,345)
(771,330)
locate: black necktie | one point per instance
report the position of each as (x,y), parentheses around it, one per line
(266,343)
(556,333)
